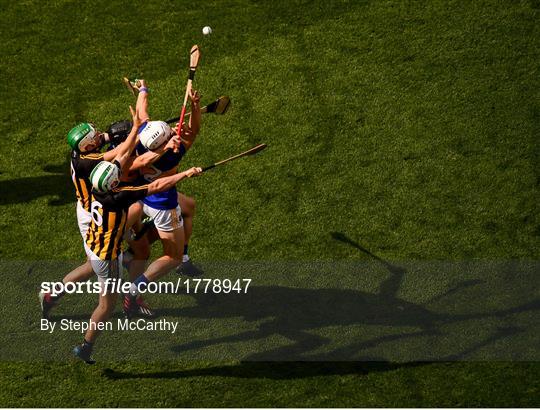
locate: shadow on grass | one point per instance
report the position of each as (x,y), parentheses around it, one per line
(57,184)
(269,370)
(296,314)
(389,328)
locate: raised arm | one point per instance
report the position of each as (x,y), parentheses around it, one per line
(127,147)
(142,102)
(194,125)
(165,183)
(124,150)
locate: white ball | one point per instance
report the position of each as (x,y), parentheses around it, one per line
(206,30)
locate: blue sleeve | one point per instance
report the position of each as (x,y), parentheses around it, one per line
(170,159)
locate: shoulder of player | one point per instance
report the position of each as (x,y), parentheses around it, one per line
(93,155)
(171,156)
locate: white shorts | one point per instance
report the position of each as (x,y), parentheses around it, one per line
(104,269)
(165,220)
(83,218)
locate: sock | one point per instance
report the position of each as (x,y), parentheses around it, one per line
(186,249)
(185,258)
(134,289)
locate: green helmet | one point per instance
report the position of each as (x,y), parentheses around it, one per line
(82,136)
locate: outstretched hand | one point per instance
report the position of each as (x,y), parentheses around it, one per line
(194,97)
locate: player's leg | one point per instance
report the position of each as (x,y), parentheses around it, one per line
(139,247)
(48,300)
(139,250)
(188,206)
(106,270)
(134,215)
(169,227)
(136,256)
(81,273)
(172,257)
(100,314)
(173,244)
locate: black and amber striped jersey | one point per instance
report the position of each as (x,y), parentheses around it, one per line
(81,167)
(109,215)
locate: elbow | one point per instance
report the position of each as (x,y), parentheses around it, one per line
(141,162)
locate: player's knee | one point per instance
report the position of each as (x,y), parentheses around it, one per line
(192,205)
(173,249)
(175,259)
(188,207)
(105,307)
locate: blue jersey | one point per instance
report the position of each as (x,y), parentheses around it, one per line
(168,161)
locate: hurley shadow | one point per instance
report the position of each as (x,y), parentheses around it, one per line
(391,285)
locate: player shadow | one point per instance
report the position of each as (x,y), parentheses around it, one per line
(277,370)
(57,183)
(269,370)
(296,314)
(281,370)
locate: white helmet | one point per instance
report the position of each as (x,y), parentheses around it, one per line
(154,134)
(105,176)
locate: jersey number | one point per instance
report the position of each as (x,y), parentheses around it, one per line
(95,212)
(72,172)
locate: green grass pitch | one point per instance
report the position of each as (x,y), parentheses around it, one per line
(409,127)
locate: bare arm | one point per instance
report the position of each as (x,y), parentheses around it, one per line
(165,183)
(150,157)
(110,155)
(127,147)
(142,102)
(194,125)
(146,159)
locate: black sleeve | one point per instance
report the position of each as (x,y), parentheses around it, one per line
(127,195)
(84,164)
